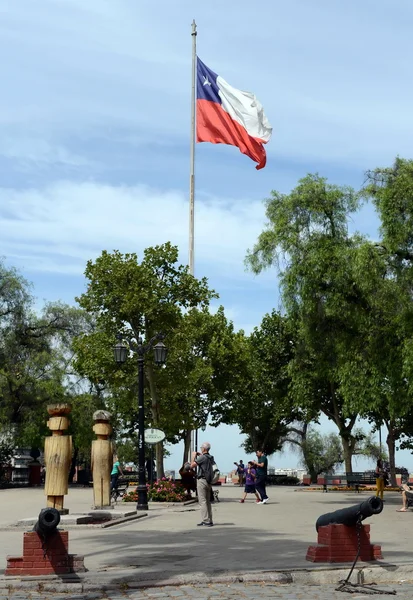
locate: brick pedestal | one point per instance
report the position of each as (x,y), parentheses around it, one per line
(54,559)
(339,543)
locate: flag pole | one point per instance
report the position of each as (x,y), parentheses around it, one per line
(192,183)
(192,156)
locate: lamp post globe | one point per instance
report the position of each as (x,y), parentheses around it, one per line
(160,352)
(120,352)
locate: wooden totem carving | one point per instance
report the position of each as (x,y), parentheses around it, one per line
(57,455)
(102,459)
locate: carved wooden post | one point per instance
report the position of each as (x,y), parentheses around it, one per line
(102,458)
(57,455)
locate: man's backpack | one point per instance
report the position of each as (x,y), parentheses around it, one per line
(212,474)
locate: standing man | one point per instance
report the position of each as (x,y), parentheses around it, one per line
(240,472)
(261,465)
(203,462)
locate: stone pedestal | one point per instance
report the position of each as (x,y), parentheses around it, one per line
(339,544)
(45,558)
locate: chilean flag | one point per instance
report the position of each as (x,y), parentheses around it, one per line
(225,115)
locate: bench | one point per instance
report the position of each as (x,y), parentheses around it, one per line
(120,490)
(358,479)
(282,479)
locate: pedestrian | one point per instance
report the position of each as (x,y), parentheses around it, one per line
(188,478)
(261,465)
(380,479)
(116,470)
(203,461)
(240,472)
(150,469)
(407,496)
(250,476)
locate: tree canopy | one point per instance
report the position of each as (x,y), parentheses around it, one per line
(346,298)
(341,345)
(139,299)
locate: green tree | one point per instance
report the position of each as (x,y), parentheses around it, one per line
(257,399)
(127,451)
(32,359)
(139,299)
(307,239)
(372,450)
(36,367)
(7,449)
(202,362)
(390,297)
(321,453)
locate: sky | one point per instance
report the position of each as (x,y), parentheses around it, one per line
(95,119)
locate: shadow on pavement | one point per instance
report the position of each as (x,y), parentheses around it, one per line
(158,556)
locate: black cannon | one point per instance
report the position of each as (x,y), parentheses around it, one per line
(49,519)
(353,514)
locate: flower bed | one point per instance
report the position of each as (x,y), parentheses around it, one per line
(367,488)
(162,490)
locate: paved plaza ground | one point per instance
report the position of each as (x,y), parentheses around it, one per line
(235,591)
(247,540)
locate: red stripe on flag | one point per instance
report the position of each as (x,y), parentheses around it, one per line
(214,125)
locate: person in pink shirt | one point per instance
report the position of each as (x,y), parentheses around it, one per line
(250,475)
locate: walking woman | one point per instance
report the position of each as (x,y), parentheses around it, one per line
(380,479)
(116,471)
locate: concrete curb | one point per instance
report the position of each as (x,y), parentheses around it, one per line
(91,518)
(385,573)
(189,502)
(123,520)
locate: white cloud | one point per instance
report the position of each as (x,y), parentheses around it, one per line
(58,228)
(331,76)
(100,90)
(35,151)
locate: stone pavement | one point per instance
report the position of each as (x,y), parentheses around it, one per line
(236,591)
(260,542)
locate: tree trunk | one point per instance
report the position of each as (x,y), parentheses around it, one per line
(309,463)
(312,471)
(391,444)
(155,409)
(347,440)
(348,453)
(313,475)
(187,445)
(160,473)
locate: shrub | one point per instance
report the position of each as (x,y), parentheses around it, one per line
(6,453)
(162,490)
(131,497)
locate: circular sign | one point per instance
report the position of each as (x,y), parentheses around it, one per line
(154,436)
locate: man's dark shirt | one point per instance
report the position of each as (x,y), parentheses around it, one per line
(202,462)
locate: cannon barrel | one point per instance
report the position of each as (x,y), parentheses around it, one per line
(49,519)
(349,516)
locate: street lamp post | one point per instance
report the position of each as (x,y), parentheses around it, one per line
(160,353)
